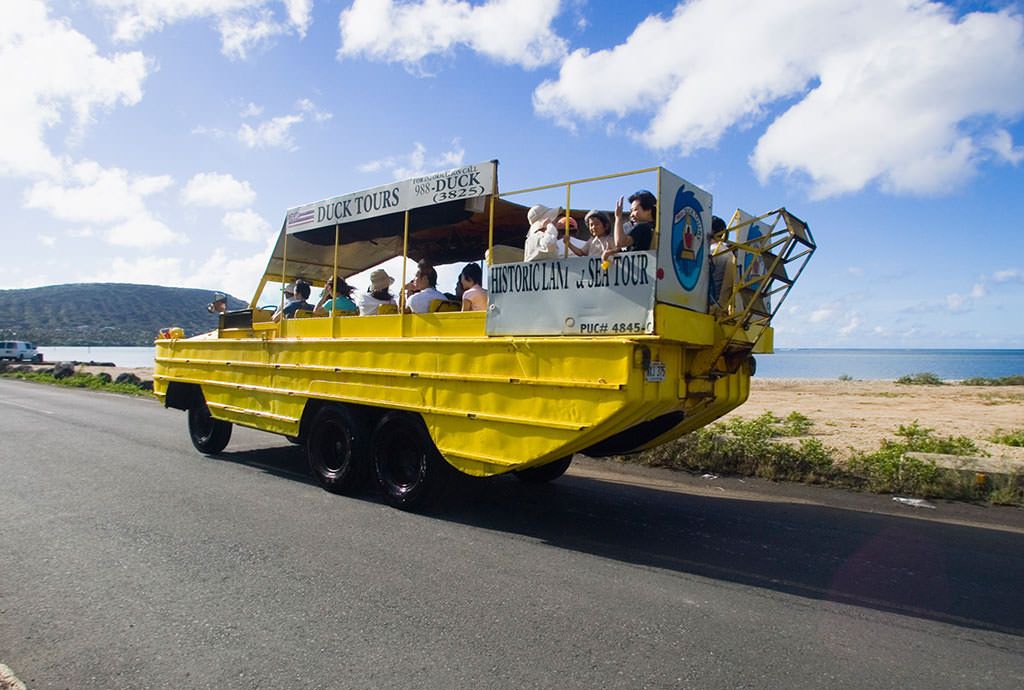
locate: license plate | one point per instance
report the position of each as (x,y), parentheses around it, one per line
(655,371)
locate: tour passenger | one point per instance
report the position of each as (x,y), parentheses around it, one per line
(410,287)
(723,270)
(601,239)
(574,243)
(296,295)
(474,297)
(542,237)
(331,298)
(377,294)
(219,305)
(459,290)
(642,210)
(425,284)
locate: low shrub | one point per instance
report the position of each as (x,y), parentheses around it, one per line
(1010,493)
(776,448)
(748,447)
(1017,380)
(1009,438)
(924,378)
(845,377)
(889,470)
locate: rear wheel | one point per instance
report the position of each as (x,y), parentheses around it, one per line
(336,449)
(208,435)
(545,473)
(409,469)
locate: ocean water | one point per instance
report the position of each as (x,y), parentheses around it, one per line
(889,364)
(121,356)
(784,364)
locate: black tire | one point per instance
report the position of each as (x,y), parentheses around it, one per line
(545,473)
(336,449)
(295,439)
(409,469)
(208,435)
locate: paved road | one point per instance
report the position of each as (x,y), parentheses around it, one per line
(130,561)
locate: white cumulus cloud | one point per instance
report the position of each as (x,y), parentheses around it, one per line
(143,232)
(902,94)
(821,314)
(416,162)
(48,71)
(90,193)
(243,24)
(217,189)
(276,132)
(1008,275)
(246,226)
(516,32)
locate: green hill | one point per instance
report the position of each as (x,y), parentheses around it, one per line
(110,314)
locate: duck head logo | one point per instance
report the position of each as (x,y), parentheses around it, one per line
(687,238)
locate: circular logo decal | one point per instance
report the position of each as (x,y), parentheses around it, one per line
(687,238)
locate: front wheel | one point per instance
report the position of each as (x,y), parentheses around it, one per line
(208,435)
(544,473)
(410,471)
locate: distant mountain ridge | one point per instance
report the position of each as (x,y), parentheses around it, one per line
(105,314)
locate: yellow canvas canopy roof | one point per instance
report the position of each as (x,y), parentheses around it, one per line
(442,234)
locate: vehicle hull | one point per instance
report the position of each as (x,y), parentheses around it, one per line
(491,404)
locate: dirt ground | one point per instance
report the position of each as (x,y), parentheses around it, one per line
(859,414)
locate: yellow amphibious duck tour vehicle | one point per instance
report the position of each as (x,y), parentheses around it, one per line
(573,355)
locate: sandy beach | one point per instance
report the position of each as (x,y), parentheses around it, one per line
(859,414)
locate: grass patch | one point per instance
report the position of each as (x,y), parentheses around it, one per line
(1009,438)
(749,448)
(79,380)
(924,378)
(1017,380)
(777,448)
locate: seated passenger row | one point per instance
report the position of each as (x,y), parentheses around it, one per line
(421,295)
(545,238)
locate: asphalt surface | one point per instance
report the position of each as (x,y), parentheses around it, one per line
(127,560)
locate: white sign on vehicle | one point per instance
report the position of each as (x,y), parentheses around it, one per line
(684,229)
(573,296)
(467,182)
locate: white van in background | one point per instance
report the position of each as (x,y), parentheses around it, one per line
(19,350)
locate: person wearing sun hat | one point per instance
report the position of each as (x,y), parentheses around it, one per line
(377,294)
(542,237)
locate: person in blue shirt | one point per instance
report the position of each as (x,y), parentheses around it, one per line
(337,294)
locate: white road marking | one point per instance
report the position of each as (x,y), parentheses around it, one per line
(27,407)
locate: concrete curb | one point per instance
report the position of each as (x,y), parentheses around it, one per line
(982,471)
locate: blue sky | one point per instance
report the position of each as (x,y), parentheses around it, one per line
(160,141)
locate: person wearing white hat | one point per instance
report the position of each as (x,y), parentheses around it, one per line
(542,237)
(295,295)
(377,294)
